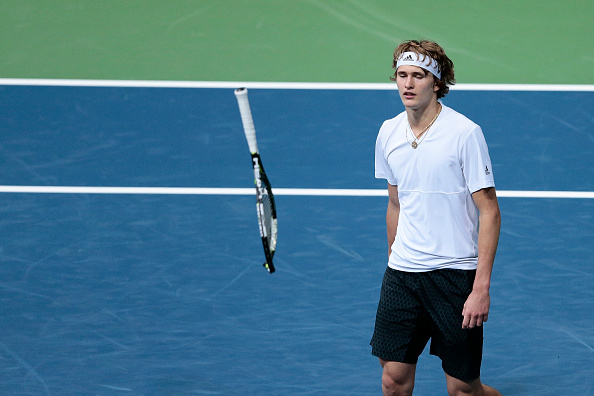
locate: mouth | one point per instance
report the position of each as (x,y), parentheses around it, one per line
(408,95)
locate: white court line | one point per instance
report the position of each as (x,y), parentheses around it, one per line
(251,191)
(281,85)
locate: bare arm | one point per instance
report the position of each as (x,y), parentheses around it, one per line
(392,215)
(476,309)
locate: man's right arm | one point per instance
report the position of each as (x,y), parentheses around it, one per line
(392,215)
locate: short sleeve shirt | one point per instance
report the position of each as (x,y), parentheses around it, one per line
(438,221)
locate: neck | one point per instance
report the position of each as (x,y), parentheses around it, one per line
(420,117)
(424,121)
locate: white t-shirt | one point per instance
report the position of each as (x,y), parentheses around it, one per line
(438,221)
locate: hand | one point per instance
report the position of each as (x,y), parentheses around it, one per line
(476,309)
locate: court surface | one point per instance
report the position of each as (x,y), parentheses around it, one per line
(146,294)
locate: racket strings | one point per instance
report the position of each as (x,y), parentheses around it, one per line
(269,221)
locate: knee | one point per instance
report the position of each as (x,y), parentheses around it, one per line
(397,381)
(461,388)
(396,386)
(474,388)
(457,391)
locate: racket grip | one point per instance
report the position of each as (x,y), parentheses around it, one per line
(246,118)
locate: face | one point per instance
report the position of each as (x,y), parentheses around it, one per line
(416,87)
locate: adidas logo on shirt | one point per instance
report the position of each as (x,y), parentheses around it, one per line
(487,170)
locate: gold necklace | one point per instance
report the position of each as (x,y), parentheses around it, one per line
(414,143)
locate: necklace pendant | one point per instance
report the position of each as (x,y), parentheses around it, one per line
(414,145)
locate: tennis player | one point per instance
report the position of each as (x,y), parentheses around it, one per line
(443,224)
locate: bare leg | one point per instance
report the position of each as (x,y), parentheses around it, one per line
(474,388)
(398,379)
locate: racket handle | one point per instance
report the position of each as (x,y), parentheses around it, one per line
(246,118)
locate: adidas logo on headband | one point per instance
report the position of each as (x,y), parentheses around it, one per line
(408,58)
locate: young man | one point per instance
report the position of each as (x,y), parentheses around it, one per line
(443,225)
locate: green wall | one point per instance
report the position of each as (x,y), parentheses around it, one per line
(537,42)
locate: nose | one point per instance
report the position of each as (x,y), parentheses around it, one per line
(409,82)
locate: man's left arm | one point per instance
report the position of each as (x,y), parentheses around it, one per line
(476,308)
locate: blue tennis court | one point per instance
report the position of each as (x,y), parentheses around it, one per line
(142,294)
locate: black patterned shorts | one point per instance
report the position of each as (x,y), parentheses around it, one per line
(417,306)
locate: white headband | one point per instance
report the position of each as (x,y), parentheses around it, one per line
(422,61)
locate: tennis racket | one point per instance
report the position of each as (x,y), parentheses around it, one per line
(265,205)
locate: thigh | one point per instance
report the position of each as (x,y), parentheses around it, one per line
(444,293)
(459,349)
(402,327)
